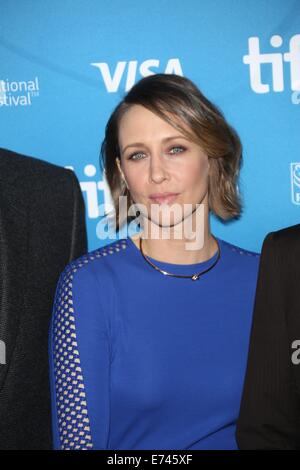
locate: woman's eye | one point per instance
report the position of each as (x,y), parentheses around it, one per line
(135,156)
(177,149)
(139,155)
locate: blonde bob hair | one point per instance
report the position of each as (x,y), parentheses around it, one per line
(178,101)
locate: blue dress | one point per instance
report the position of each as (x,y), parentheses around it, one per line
(139,360)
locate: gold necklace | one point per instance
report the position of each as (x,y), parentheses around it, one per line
(194,277)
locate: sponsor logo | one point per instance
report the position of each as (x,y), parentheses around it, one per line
(295,182)
(130,71)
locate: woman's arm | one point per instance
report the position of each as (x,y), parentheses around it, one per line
(79,353)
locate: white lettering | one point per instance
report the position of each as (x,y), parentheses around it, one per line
(255,58)
(112,82)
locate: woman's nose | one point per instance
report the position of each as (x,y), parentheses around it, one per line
(157,168)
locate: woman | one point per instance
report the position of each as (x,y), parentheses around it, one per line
(149,335)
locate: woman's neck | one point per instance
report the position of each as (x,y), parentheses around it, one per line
(177,250)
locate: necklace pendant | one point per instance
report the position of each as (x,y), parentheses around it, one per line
(195,277)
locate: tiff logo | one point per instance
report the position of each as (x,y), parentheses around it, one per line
(255,58)
(13,93)
(91,188)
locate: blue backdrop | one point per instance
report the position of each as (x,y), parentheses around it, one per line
(66,64)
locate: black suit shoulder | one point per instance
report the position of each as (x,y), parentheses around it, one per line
(270,407)
(286,236)
(38,183)
(288,232)
(42,222)
(284,246)
(16,167)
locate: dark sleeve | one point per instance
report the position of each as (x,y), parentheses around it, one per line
(269,413)
(79,236)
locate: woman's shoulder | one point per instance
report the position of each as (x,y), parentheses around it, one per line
(242,258)
(95,262)
(237,250)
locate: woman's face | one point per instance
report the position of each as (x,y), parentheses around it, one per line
(156,158)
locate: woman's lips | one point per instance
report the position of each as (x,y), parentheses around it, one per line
(167,199)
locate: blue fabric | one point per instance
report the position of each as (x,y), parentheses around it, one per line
(139,360)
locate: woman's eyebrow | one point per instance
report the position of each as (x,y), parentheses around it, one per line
(166,139)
